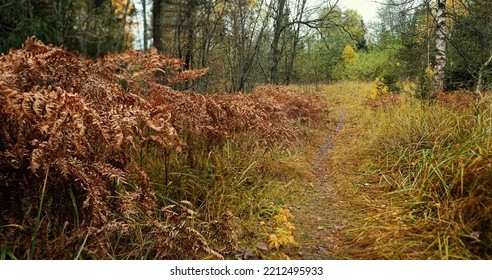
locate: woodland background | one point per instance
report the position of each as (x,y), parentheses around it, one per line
(246,43)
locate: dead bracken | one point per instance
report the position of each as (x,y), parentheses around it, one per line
(72,136)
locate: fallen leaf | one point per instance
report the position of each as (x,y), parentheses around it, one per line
(262,246)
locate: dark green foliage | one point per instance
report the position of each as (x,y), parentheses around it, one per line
(471,46)
(92,28)
(392,80)
(22,19)
(424,84)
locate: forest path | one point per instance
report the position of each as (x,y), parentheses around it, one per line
(337,200)
(319,219)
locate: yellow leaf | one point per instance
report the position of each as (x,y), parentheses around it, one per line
(274,242)
(280,218)
(289,226)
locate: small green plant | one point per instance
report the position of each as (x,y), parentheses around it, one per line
(424,84)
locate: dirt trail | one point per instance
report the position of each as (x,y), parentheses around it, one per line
(320,219)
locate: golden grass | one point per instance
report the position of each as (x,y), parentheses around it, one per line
(435,156)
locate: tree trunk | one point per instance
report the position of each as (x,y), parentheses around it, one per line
(122,40)
(479,87)
(190,21)
(157,25)
(290,66)
(277,31)
(441,34)
(144,10)
(248,26)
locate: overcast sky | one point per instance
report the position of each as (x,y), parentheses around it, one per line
(367,8)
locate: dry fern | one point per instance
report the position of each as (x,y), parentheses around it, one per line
(82,123)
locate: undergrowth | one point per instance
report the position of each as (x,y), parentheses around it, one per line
(104,159)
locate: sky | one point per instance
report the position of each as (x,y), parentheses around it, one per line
(366,8)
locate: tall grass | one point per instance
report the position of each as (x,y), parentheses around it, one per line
(241,177)
(439,159)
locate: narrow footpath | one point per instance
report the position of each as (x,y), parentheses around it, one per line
(320,219)
(344,213)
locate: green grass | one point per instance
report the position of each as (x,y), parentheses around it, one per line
(38,217)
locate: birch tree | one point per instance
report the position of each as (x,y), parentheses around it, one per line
(441,37)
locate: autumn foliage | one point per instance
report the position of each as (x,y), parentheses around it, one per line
(76,126)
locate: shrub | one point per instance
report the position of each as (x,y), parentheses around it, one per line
(380,88)
(68,124)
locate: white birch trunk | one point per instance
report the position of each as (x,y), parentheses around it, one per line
(441,34)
